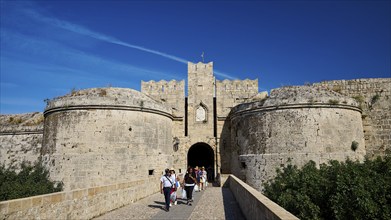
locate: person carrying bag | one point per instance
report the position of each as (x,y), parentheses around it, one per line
(165,188)
(189,183)
(174,187)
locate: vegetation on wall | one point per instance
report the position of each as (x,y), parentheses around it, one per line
(333,102)
(359,98)
(374,99)
(354,145)
(32,180)
(15,120)
(338,190)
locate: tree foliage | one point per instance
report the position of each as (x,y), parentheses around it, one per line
(30,181)
(338,190)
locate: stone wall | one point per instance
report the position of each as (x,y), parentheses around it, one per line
(171,93)
(79,204)
(92,139)
(224,145)
(374,97)
(295,124)
(230,93)
(255,205)
(201,89)
(20,138)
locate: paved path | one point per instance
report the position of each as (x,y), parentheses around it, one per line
(212,203)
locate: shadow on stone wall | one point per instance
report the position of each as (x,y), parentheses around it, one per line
(225,148)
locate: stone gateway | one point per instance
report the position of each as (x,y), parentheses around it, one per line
(105,136)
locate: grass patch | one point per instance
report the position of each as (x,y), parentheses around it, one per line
(333,102)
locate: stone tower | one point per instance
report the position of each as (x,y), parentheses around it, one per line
(199,120)
(201,90)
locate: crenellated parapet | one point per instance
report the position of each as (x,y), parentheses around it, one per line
(172,93)
(163,87)
(200,67)
(246,86)
(230,93)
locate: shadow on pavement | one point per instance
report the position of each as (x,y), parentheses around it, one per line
(181,201)
(156,207)
(161,203)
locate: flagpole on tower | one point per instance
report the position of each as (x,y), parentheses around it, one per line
(202,55)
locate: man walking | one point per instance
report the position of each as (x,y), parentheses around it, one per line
(166,184)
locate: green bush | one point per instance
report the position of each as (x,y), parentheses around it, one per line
(375,98)
(354,145)
(338,190)
(333,102)
(30,181)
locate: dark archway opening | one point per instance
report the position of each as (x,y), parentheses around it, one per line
(201,154)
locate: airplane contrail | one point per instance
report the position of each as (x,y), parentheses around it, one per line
(85,31)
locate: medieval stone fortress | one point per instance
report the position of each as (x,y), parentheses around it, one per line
(121,139)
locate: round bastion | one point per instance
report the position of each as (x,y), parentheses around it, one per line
(103,136)
(294,125)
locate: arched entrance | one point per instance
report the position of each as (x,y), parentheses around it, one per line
(201,154)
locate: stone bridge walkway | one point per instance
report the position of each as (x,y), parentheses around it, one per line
(212,203)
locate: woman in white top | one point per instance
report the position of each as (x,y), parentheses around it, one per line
(203,178)
(173,196)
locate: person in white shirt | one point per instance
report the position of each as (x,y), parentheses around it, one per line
(166,184)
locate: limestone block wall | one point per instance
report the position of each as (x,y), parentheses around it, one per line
(374,97)
(20,138)
(81,203)
(224,145)
(296,124)
(180,156)
(92,139)
(230,93)
(254,204)
(201,89)
(171,93)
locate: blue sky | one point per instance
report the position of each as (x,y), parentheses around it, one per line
(49,48)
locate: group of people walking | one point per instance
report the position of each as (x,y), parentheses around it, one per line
(194,180)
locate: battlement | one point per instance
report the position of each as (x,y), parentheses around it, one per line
(172,93)
(200,67)
(230,93)
(163,87)
(246,85)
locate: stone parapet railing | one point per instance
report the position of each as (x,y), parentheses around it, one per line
(79,204)
(253,203)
